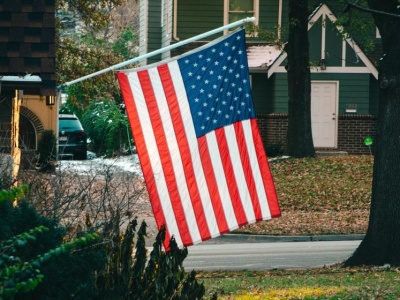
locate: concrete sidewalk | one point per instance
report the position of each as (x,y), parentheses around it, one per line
(250,238)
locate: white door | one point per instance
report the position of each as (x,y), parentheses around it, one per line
(324,103)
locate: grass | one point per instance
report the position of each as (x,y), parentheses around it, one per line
(325,283)
(322,195)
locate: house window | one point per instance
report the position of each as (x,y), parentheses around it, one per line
(236,10)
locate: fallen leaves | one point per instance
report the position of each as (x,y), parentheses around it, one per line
(321,195)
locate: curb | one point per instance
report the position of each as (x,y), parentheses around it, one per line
(250,238)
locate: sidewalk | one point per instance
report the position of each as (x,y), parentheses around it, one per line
(250,238)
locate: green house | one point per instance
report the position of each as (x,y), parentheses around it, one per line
(344,78)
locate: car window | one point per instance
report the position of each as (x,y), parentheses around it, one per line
(70,125)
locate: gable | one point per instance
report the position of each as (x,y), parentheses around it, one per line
(342,55)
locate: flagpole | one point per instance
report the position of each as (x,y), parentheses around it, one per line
(159,51)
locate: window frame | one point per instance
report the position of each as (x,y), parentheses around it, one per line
(256,4)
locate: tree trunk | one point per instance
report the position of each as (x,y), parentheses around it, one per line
(299,135)
(381,244)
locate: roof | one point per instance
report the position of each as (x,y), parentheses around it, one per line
(262,56)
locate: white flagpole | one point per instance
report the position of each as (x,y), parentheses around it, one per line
(144,56)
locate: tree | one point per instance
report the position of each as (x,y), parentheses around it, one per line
(299,135)
(381,244)
(94,35)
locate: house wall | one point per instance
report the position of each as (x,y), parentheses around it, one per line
(47,117)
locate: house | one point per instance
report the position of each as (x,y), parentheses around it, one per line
(344,78)
(27,73)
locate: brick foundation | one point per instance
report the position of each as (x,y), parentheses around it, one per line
(352,129)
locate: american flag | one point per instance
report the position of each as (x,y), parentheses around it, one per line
(198,141)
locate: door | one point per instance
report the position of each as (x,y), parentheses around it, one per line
(324,104)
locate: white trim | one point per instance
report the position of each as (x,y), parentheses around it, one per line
(344,53)
(323,37)
(324,10)
(280,19)
(175,29)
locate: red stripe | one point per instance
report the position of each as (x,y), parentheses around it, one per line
(165,157)
(142,151)
(265,171)
(230,177)
(247,169)
(212,185)
(184,149)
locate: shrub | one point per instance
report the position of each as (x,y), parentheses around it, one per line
(61,277)
(133,275)
(107,128)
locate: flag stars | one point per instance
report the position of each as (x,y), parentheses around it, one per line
(221,53)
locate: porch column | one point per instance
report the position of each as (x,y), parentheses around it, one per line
(15,150)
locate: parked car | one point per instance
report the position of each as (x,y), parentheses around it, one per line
(71,138)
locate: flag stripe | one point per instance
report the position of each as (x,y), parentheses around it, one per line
(266,175)
(136,127)
(248,169)
(196,164)
(240,180)
(230,179)
(171,193)
(221,182)
(212,186)
(188,181)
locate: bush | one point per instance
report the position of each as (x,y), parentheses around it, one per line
(132,275)
(62,277)
(107,128)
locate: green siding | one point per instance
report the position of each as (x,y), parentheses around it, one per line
(333,45)
(353,89)
(373,96)
(262,92)
(314,38)
(268,15)
(281,93)
(195,17)
(154,30)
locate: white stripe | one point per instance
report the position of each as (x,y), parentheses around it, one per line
(194,149)
(178,171)
(222,185)
(238,171)
(255,167)
(154,156)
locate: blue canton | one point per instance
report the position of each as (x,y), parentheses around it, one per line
(217,84)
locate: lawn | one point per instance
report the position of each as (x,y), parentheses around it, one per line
(325,283)
(322,195)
